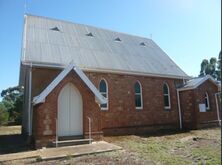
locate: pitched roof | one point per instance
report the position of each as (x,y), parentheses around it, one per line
(98,52)
(194,83)
(41,97)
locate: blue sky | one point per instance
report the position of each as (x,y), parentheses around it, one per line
(187,30)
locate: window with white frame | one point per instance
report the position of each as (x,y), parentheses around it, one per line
(138,95)
(166,95)
(103,89)
(207,103)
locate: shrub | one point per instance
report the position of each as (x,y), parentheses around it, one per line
(3,114)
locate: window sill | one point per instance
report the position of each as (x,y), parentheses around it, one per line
(139,108)
(167,108)
(104,109)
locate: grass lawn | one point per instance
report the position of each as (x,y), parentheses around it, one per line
(194,147)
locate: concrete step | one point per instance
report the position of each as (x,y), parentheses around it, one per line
(71,142)
(63,138)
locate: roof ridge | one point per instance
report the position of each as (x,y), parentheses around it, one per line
(94,53)
(65,21)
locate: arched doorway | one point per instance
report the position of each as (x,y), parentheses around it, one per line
(70,111)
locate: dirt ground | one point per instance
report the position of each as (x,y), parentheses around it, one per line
(193,147)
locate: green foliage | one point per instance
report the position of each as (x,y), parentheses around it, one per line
(12,104)
(219,66)
(3,114)
(176,149)
(68,157)
(38,159)
(211,67)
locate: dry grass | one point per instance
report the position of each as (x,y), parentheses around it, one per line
(172,148)
(10,130)
(194,147)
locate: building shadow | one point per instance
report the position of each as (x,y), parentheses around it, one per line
(13,143)
(163,132)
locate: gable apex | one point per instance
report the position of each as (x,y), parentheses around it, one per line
(41,97)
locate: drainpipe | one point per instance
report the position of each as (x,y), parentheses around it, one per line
(218,114)
(30,100)
(179,109)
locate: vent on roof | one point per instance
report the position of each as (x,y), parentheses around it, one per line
(55,28)
(142,44)
(118,39)
(89,34)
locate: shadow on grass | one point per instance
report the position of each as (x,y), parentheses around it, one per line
(164,133)
(13,143)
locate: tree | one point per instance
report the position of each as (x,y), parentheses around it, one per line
(12,101)
(210,68)
(219,66)
(3,114)
(203,67)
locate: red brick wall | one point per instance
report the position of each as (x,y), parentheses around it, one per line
(41,78)
(187,104)
(45,114)
(211,89)
(190,101)
(121,112)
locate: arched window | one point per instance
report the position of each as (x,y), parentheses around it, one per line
(103,89)
(166,95)
(207,103)
(138,95)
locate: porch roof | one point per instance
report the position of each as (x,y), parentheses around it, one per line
(41,97)
(194,83)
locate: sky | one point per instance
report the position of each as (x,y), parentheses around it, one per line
(187,30)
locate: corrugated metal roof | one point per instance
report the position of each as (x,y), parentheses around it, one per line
(195,82)
(99,52)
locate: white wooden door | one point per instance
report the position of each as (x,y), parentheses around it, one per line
(70,113)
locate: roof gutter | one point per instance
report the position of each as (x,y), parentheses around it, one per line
(60,66)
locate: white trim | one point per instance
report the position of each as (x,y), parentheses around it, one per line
(23,50)
(206,96)
(41,98)
(141,95)
(24,39)
(207,77)
(218,114)
(30,102)
(179,109)
(107,94)
(168,94)
(101,70)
